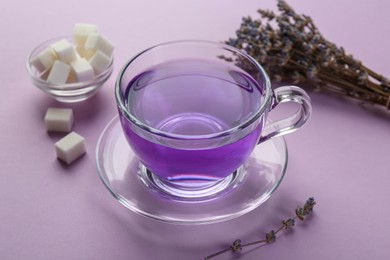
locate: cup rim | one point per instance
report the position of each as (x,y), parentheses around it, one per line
(243,125)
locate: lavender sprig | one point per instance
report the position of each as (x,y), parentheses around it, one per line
(291,48)
(270,237)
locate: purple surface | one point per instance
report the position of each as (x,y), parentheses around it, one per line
(52,211)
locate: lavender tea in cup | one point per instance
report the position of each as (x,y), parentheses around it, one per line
(193,112)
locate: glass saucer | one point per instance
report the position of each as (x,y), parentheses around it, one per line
(119,170)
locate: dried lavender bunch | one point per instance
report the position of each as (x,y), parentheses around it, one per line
(290,48)
(300,213)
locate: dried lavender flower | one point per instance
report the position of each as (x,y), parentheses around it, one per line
(236,246)
(300,213)
(309,205)
(291,48)
(289,223)
(271,236)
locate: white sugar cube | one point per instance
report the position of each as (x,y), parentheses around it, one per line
(81,32)
(82,70)
(64,50)
(85,53)
(59,119)
(58,73)
(99,61)
(96,41)
(44,60)
(70,147)
(45,74)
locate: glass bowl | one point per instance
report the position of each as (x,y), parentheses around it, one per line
(67,92)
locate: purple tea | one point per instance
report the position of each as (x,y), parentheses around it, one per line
(192,100)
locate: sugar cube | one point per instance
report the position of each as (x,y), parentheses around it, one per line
(44,60)
(82,60)
(58,73)
(64,50)
(70,147)
(82,70)
(99,61)
(81,32)
(45,74)
(96,41)
(85,53)
(59,119)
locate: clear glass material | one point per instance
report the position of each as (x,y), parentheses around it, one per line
(68,92)
(258,178)
(288,94)
(193,112)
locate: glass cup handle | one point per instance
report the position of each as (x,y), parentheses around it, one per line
(293,122)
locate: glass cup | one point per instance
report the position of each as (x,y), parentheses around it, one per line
(193,111)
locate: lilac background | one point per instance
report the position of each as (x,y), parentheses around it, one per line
(52,211)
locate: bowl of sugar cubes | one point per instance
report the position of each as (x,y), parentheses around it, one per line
(72,68)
